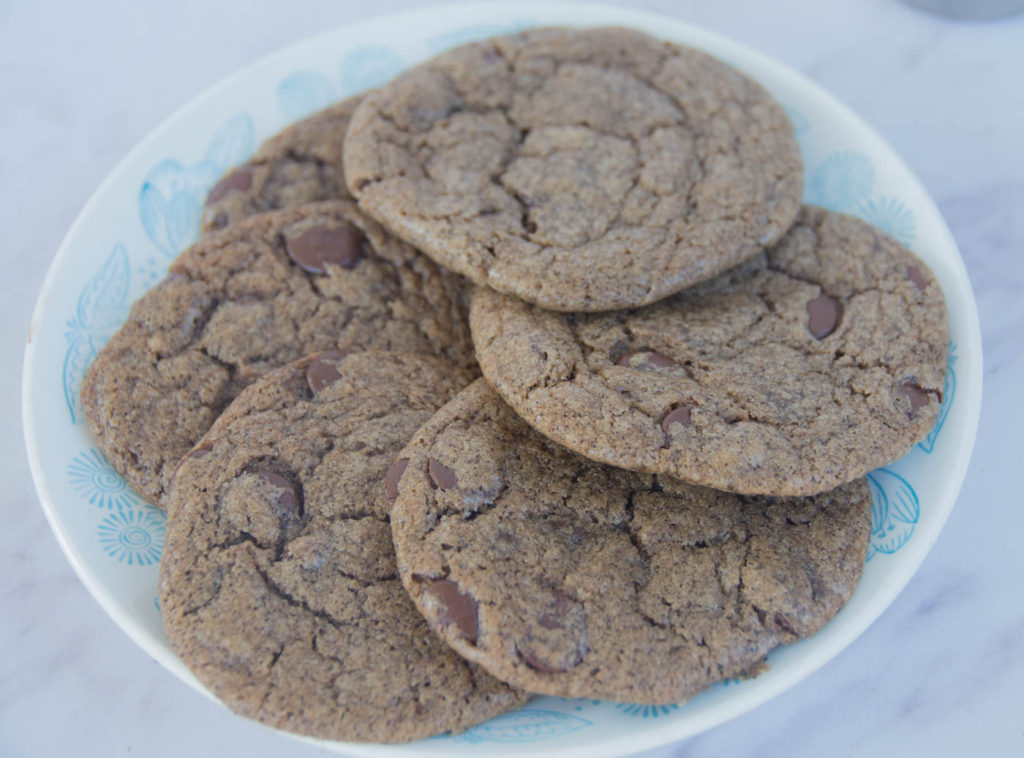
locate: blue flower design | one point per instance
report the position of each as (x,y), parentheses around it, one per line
(525,725)
(172,196)
(948,392)
(455,37)
(95,480)
(369,66)
(646,711)
(842,181)
(304,92)
(891,216)
(102,306)
(895,510)
(134,536)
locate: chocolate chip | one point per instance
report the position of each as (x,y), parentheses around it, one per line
(680,415)
(782,621)
(537,664)
(917,396)
(391,479)
(199,452)
(219,221)
(645,359)
(441,475)
(238,180)
(915,275)
(823,314)
(454,607)
(321,371)
(315,248)
(287,500)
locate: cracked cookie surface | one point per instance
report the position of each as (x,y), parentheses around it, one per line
(278,583)
(572,578)
(580,169)
(247,299)
(299,165)
(804,368)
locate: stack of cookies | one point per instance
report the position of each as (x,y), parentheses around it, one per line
(658,477)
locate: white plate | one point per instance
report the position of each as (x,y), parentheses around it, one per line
(147,210)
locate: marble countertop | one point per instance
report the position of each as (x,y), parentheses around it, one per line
(940,673)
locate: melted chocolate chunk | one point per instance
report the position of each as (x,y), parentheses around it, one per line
(238,180)
(315,248)
(918,397)
(442,476)
(454,607)
(322,372)
(915,275)
(645,359)
(680,415)
(391,479)
(823,313)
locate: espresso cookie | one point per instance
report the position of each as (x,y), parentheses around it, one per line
(252,297)
(278,584)
(802,369)
(572,578)
(579,169)
(301,164)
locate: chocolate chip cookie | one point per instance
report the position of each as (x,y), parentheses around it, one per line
(568,577)
(579,169)
(302,164)
(247,299)
(789,375)
(278,583)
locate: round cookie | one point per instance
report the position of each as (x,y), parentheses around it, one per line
(802,369)
(579,169)
(278,584)
(568,577)
(247,299)
(299,165)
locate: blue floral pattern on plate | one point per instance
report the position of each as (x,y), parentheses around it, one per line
(134,536)
(369,66)
(842,181)
(524,725)
(96,482)
(172,196)
(645,711)
(891,216)
(304,92)
(102,307)
(895,510)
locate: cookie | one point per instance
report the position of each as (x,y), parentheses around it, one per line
(579,169)
(250,298)
(572,578)
(800,370)
(302,164)
(278,584)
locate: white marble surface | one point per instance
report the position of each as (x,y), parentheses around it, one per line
(941,673)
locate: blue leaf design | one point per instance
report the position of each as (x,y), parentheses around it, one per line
(948,392)
(895,509)
(525,725)
(369,66)
(304,92)
(455,37)
(102,306)
(134,536)
(172,196)
(891,216)
(842,181)
(232,143)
